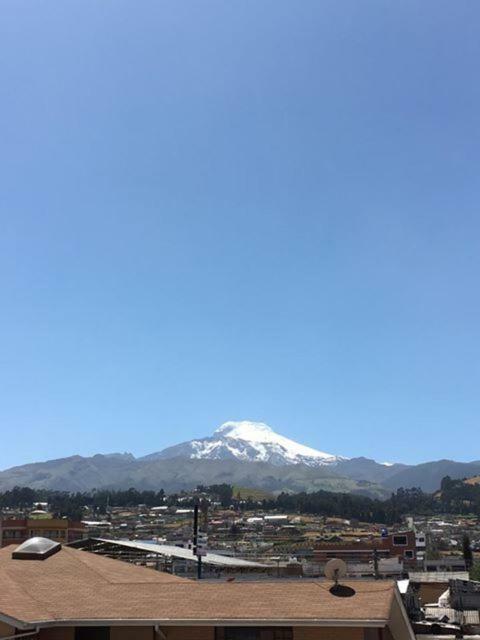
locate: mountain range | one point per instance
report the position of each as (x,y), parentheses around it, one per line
(246,454)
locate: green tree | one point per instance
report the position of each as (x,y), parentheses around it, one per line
(475,572)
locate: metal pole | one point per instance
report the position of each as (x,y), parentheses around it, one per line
(375,564)
(195,542)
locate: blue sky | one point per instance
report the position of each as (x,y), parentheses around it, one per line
(239,210)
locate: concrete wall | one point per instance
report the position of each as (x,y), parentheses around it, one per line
(431,591)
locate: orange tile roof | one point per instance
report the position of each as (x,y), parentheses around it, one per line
(76,585)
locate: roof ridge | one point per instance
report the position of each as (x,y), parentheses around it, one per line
(79,558)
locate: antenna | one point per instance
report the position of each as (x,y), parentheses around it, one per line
(335,570)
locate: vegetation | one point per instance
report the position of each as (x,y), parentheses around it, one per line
(459,496)
(455,496)
(245,493)
(356,506)
(475,572)
(63,503)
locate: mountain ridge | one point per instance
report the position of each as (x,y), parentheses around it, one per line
(241,453)
(176,474)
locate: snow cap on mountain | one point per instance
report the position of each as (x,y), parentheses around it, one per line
(266,443)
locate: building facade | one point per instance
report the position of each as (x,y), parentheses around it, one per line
(16,531)
(402,545)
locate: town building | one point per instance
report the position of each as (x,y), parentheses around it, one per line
(16,531)
(402,545)
(430,585)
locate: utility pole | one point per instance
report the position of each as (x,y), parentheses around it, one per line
(195,542)
(375,564)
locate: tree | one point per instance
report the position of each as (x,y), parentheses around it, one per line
(432,552)
(446,483)
(475,572)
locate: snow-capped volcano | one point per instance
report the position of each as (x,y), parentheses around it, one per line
(250,442)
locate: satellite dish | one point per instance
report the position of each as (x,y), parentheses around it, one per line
(335,569)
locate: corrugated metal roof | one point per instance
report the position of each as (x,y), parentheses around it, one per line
(459,617)
(437,576)
(185,554)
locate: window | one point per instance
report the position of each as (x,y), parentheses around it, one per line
(92,633)
(13,533)
(53,534)
(400,541)
(408,554)
(282,633)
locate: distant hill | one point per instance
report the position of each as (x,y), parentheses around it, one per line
(369,470)
(175,474)
(428,475)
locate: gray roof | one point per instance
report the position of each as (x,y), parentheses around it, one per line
(455,616)
(437,576)
(185,554)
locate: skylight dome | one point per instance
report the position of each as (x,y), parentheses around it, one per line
(36,549)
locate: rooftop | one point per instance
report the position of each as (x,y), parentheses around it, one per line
(74,585)
(181,552)
(437,576)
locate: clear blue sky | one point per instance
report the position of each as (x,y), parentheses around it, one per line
(239,210)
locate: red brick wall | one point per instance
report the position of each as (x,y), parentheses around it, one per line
(363,550)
